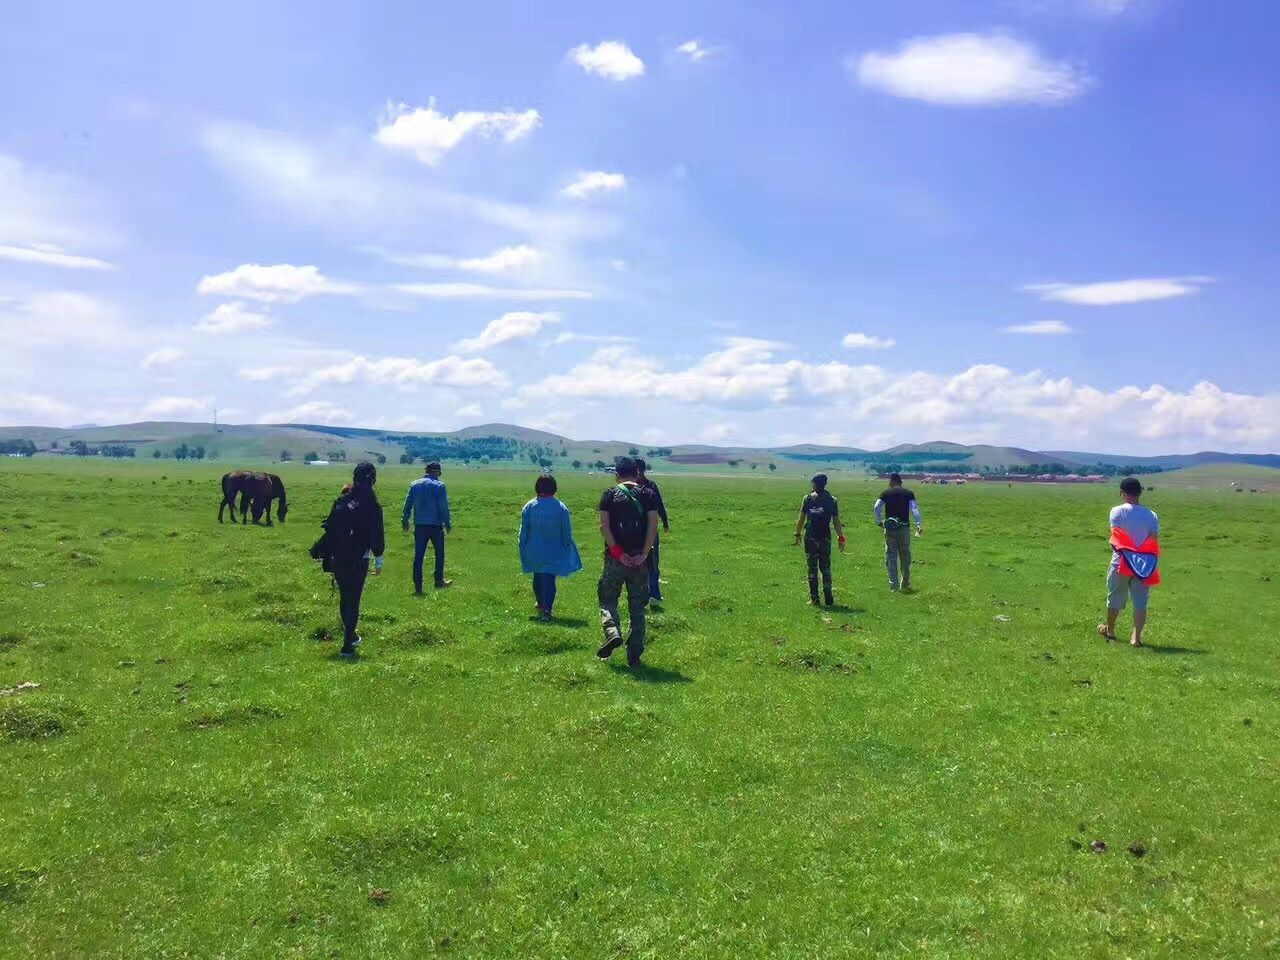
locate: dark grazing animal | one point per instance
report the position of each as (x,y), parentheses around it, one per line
(256,491)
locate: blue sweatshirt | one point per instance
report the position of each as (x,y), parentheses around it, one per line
(428,502)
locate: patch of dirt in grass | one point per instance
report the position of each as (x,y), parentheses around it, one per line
(18,883)
(27,719)
(816,661)
(238,714)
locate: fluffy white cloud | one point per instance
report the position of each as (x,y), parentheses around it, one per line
(504,260)
(592,182)
(179,408)
(162,357)
(969,69)
(986,402)
(864,341)
(429,134)
(517,325)
(43,212)
(263,374)
(693,50)
(313,411)
(18,408)
(50,255)
(63,318)
(406,373)
(1040,328)
(279,283)
(612,59)
(568,336)
(480,291)
(1112,292)
(232,317)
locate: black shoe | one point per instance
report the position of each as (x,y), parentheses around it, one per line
(440,585)
(417,591)
(830,600)
(348,650)
(606,651)
(815,601)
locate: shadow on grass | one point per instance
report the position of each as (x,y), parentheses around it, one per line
(844,608)
(1156,648)
(647,674)
(572,623)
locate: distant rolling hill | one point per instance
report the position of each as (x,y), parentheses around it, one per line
(249,443)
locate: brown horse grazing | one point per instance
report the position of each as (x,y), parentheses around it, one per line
(255,490)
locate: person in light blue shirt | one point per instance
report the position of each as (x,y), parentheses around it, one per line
(547,549)
(428,503)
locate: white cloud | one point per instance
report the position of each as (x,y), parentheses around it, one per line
(1113,292)
(63,318)
(592,182)
(568,336)
(863,341)
(612,59)
(429,134)
(479,291)
(163,357)
(263,374)
(693,50)
(46,212)
(233,317)
(471,411)
(50,255)
(180,408)
(505,260)
(279,283)
(18,408)
(969,69)
(517,325)
(1040,328)
(406,373)
(313,411)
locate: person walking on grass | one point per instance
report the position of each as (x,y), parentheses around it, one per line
(818,513)
(655,581)
(547,549)
(629,525)
(894,511)
(354,534)
(428,502)
(1135,557)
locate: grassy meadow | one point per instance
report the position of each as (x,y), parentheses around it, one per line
(927,775)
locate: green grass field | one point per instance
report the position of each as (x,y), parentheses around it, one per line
(197,775)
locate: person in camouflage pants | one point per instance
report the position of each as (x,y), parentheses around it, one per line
(629,525)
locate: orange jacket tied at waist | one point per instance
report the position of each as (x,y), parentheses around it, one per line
(1137,560)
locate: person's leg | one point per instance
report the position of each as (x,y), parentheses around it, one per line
(904,554)
(824,564)
(655,587)
(548,591)
(637,603)
(437,543)
(537,590)
(419,552)
(350,589)
(1141,593)
(1117,597)
(811,560)
(891,557)
(608,591)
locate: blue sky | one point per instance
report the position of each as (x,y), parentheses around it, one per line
(1050,223)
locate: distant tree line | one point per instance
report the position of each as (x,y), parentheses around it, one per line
(24,448)
(451,448)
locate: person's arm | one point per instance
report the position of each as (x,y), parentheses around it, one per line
(915,512)
(566,527)
(662,510)
(524,528)
(878,510)
(800,525)
(408,508)
(650,538)
(378,540)
(606,531)
(835,520)
(445,517)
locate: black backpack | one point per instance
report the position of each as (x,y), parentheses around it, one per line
(341,539)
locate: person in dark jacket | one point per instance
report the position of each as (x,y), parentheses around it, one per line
(655,582)
(819,512)
(354,534)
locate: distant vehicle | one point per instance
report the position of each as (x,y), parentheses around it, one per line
(316,463)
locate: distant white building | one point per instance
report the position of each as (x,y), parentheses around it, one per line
(316,463)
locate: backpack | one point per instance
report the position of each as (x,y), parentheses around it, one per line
(639,522)
(343,535)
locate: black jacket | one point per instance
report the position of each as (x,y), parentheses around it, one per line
(355,526)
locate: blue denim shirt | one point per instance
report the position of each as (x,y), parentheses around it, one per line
(428,501)
(546,539)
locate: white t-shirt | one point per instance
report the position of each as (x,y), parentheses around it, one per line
(1137,521)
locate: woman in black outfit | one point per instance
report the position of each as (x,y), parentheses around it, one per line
(354,534)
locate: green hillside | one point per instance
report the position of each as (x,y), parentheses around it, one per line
(1220,476)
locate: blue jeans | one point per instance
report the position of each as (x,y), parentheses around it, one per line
(655,589)
(423,534)
(544,590)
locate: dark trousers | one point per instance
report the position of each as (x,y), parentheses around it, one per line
(350,579)
(655,588)
(817,552)
(635,580)
(544,590)
(423,534)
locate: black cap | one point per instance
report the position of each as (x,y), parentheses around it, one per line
(819,480)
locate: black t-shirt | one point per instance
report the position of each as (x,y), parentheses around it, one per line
(820,509)
(897,503)
(629,524)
